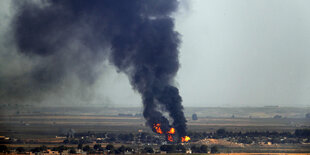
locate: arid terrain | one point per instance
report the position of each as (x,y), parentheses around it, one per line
(32,128)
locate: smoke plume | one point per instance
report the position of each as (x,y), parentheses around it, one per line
(136,36)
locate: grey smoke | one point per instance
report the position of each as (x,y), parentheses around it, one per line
(70,39)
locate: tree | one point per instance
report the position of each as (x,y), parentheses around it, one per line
(168,148)
(203,149)
(35,150)
(121,149)
(214,149)
(302,133)
(221,131)
(43,148)
(111,137)
(80,146)
(148,149)
(61,148)
(72,151)
(86,148)
(39,149)
(101,149)
(195,149)
(110,147)
(4,149)
(74,141)
(181,148)
(20,149)
(126,137)
(97,146)
(194,117)
(129,149)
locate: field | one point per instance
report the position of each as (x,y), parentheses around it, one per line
(44,124)
(51,126)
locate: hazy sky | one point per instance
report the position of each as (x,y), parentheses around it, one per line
(242,53)
(233,53)
(247,53)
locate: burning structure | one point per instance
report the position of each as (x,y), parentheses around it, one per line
(169,134)
(136,36)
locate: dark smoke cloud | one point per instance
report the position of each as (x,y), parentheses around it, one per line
(71,36)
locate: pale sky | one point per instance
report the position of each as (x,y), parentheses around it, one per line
(243,53)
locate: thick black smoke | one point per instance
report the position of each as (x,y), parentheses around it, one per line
(139,33)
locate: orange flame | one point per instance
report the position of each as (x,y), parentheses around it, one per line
(171,131)
(170,138)
(185,139)
(157,128)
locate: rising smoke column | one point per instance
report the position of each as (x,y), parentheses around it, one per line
(139,33)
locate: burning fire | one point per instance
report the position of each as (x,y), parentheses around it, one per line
(169,137)
(185,139)
(169,133)
(157,128)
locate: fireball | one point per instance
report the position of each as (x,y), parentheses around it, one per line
(169,137)
(185,139)
(171,131)
(157,128)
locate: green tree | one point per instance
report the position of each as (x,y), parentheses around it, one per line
(111,137)
(61,148)
(221,131)
(39,149)
(43,148)
(181,148)
(80,146)
(97,146)
(110,148)
(214,149)
(302,133)
(86,148)
(148,149)
(4,149)
(203,149)
(129,149)
(121,149)
(35,150)
(20,149)
(195,149)
(72,151)
(126,137)
(168,148)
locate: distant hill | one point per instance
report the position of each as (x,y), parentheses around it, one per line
(224,112)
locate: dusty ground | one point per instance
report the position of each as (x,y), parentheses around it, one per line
(45,127)
(52,125)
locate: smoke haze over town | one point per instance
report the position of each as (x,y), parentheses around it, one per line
(244,53)
(154,77)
